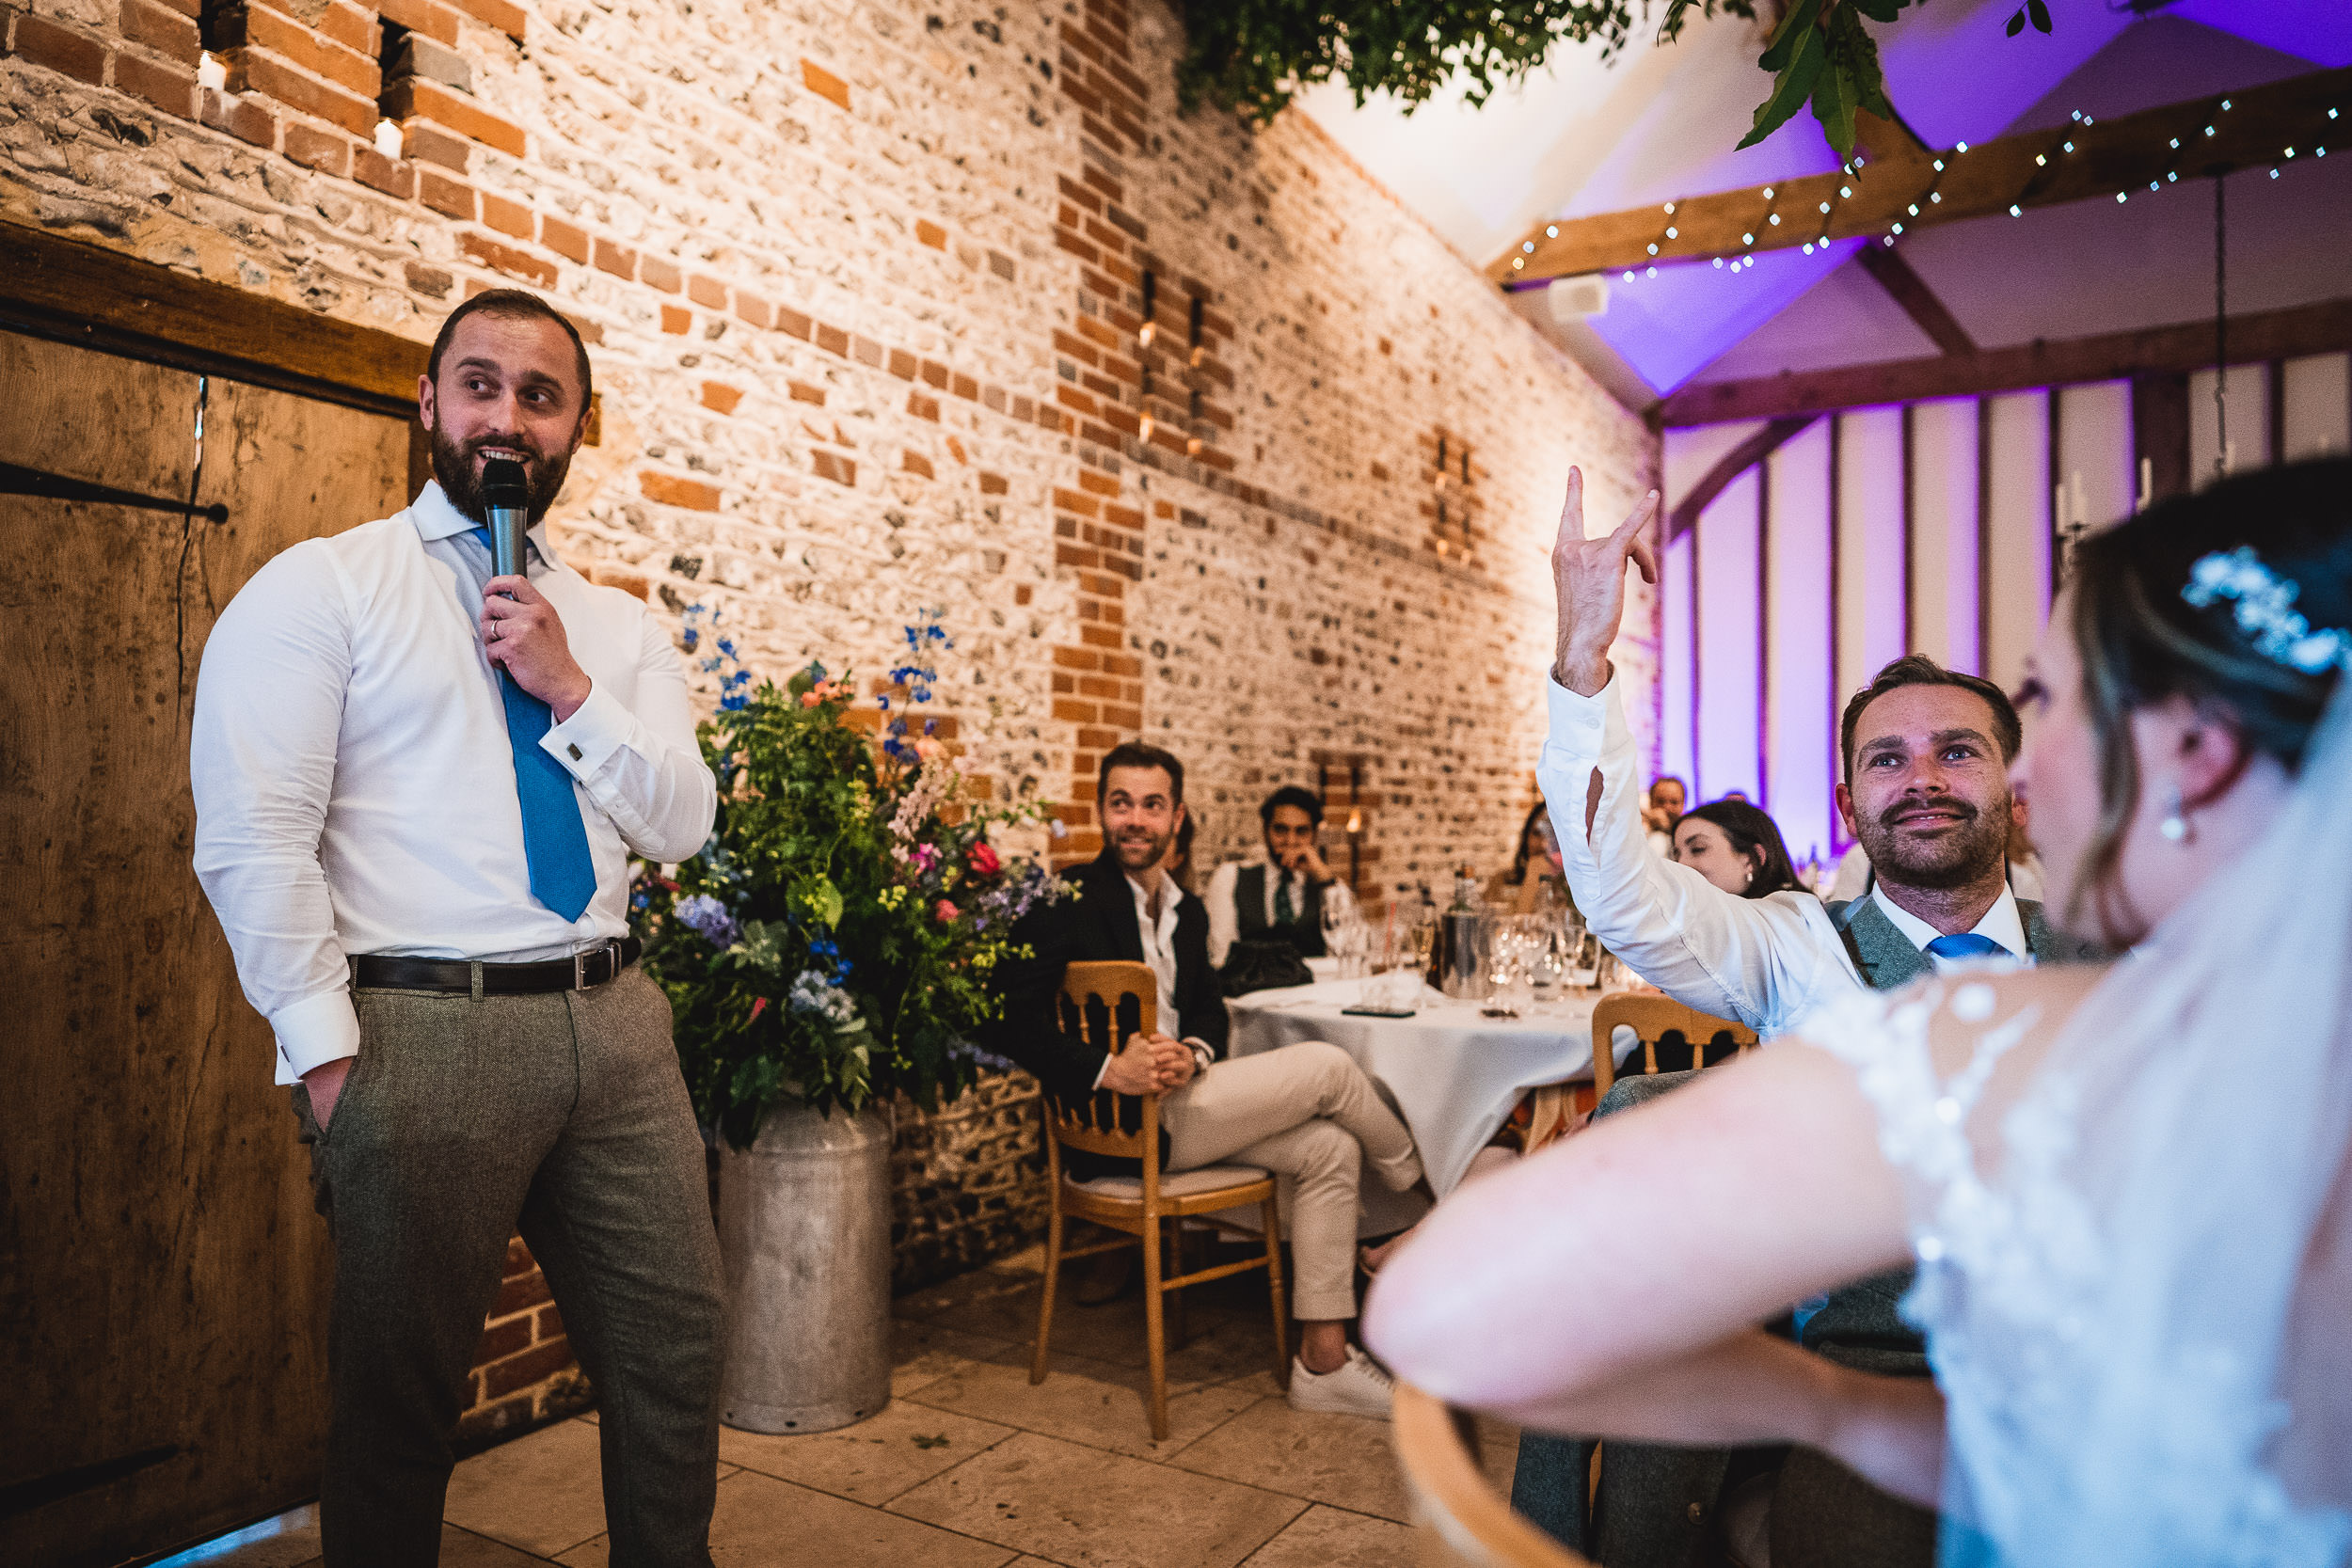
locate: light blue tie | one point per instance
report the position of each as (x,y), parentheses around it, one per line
(1967,944)
(555,842)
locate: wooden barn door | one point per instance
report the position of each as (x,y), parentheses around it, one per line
(163,1277)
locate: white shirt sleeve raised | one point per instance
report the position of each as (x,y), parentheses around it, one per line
(1763,961)
(643,768)
(269,700)
(1224,919)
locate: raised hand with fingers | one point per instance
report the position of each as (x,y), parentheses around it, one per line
(1589,576)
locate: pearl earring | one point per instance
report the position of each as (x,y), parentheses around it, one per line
(2174,827)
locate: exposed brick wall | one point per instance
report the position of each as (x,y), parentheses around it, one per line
(865,290)
(523,1370)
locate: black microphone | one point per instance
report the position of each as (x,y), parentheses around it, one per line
(506,497)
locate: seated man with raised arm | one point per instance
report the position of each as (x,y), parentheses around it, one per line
(1305,1112)
(1926,753)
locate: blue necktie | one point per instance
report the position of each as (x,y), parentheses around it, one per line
(1967,944)
(555,842)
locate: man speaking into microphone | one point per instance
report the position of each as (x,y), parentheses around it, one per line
(417,785)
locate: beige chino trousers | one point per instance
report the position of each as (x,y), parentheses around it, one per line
(1307,1113)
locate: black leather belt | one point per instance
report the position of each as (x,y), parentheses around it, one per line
(592,967)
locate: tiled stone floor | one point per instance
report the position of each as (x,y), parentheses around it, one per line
(972,1467)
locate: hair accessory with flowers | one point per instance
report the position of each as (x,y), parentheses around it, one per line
(2267,612)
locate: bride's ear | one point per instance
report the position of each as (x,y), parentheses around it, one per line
(2191,745)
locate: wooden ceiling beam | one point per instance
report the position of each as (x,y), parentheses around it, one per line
(2032,168)
(1737,461)
(2321,328)
(1919,302)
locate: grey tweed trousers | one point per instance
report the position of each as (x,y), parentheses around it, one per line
(563,1115)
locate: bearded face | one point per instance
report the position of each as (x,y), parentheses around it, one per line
(457,465)
(1930,794)
(507,386)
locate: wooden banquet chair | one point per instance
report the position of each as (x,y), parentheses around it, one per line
(1106,1003)
(1463,1521)
(1653,1018)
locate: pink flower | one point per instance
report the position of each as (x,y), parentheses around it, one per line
(944,912)
(983,861)
(758,1007)
(810,699)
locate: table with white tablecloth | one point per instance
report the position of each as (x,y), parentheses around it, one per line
(1453,1072)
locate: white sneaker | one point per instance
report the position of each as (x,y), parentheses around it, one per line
(1356,1388)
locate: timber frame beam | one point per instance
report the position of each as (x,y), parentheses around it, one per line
(1915,188)
(1737,461)
(2321,328)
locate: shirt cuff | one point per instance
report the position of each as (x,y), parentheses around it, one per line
(1203,1056)
(597,729)
(313,1032)
(1581,725)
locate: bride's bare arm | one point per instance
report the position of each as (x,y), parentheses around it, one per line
(1611,1285)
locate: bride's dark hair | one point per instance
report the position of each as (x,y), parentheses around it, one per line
(2141,643)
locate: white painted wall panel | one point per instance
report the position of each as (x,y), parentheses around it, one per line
(2017,532)
(2249,421)
(2094,459)
(1871,588)
(1944,532)
(1727,617)
(2320,406)
(1800,679)
(1688,454)
(1677,698)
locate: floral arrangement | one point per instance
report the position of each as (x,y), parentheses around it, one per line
(834,941)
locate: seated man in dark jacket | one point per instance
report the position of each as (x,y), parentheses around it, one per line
(1306,1112)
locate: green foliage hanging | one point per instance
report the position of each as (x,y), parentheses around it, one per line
(1252,55)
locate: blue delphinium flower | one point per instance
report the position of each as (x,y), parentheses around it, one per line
(710,920)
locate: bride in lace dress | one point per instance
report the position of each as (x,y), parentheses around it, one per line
(2125,1187)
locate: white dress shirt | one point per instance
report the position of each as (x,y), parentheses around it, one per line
(1225,914)
(1764,961)
(2001,923)
(354,787)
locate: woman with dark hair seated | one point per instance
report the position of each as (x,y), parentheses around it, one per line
(1534,884)
(1738,847)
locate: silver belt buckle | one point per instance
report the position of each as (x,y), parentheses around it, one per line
(580,968)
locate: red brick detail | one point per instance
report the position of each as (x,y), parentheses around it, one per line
(500,14)
(792,323)
(833,339)
(168,88)
(443,194)
(618,260)
(835,467)
(706,291)
(671,490)
(930,234)
(660,274)
(804,392)
(61,49)
(676,319)
(508,216)
(502,1338)
(903,364)
(162,29)
(922,407)
(392,176)
(431,144)
(994,485)
(353,27)
(256,69)
(825,84)
(239,117)
(719,395)
(416,95)
(754,309)
(320,149)
(935,372)
(917,464)
(481,249)
(430,17)
(256,27)
(521,1371)
(566,240)
(520,1290)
